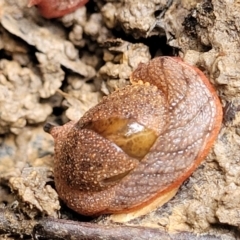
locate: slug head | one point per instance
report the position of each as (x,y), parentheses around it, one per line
(109,141)
(97,155)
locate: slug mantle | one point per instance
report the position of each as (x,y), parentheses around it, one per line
(56,8)
(139,143)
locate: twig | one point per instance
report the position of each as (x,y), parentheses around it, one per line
(59,229)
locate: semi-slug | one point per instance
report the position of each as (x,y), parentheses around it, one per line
(56,8)
(139,143)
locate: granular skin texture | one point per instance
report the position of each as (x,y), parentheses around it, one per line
(185,114)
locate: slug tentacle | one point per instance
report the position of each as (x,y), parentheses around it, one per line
(139,143)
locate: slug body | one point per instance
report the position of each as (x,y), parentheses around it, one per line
(56,8)
(140,142)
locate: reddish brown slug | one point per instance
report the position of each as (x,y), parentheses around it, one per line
(139,143)
(56,8)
